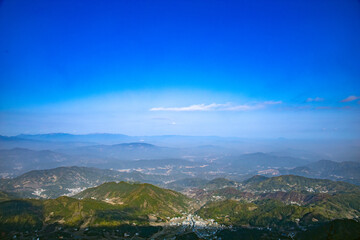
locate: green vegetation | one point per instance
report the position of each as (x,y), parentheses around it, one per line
(336,230)
(266,213)
(282,202)
(182,184)
(143,198)
(255,179)
(21,214)
(220,183)
(116,204)
(274,213)
(5,196)
(298,183)
(286,203)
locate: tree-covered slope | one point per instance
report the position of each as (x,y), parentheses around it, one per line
(146,198)
(281,201)
(298,183)
(111,204)
(272,213)
(266,213)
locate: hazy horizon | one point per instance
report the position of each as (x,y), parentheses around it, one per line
(177,135)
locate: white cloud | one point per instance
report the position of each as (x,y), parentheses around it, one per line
(216,107)
(317,99)
(197,107)
(350,98)
(243,107)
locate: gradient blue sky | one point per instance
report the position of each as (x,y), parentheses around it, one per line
(254,68)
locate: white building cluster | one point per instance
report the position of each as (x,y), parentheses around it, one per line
(193,221)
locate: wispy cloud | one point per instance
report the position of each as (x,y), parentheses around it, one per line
(216,107)
(196,107)
(273,102)
(317,99)
(350,98)
(243,107)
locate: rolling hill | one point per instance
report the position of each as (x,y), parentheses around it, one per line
(110,204)
(146,198)
(287,183)
(282,201)
(277,214)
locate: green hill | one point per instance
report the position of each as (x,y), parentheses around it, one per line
(255,179)
(297,183)
(268,213)
(110,204)
(222,194)
(182,184)
(200,183)
(282,201)
(145,198)
(20,215)
(288,189)
(218,183)
(276,213)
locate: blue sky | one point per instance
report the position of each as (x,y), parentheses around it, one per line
(229,68)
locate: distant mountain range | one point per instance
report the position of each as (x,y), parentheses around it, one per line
(344,150)
(121,156)
(124,152)
(191,162)
(59,140)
